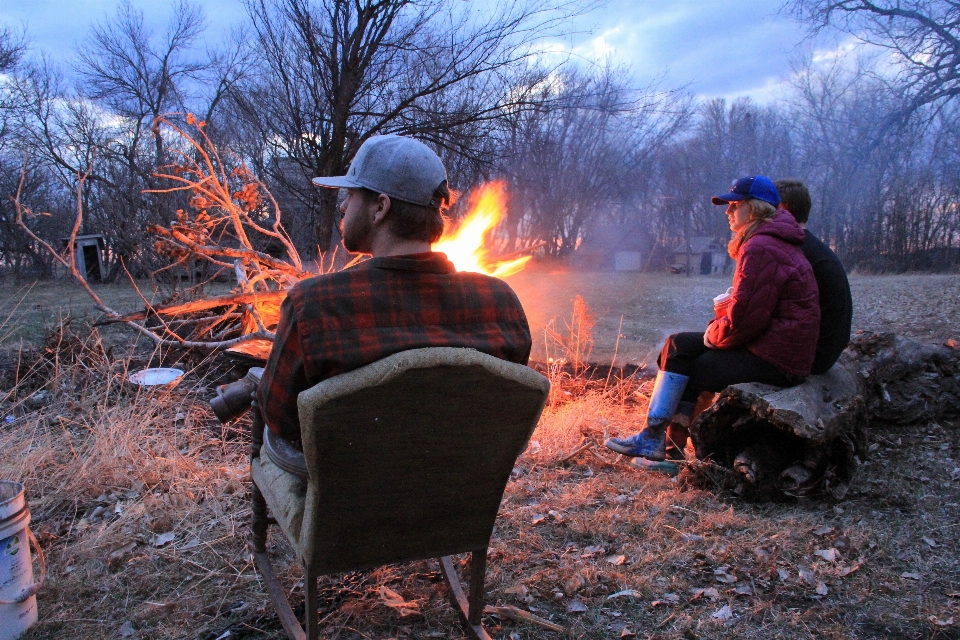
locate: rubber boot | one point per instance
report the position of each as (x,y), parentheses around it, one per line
(650,443)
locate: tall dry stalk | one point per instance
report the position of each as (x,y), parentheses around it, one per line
(572,344)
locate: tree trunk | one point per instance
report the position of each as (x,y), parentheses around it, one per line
(813,437)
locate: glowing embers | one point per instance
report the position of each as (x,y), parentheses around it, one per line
(468,246)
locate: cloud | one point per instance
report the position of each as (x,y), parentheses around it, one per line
(56,27)
(721,48)
(717,48)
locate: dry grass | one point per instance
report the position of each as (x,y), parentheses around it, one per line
(110,471)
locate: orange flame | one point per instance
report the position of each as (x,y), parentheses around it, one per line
(464,245)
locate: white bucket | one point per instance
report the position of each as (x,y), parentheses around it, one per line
(18,599)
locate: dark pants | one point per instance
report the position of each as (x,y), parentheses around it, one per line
(716,369)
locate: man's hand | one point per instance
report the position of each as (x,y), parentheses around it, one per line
(706,341)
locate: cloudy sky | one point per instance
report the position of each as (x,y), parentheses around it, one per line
(714,48)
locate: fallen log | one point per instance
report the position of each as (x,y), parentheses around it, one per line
(907,381)
(812,438)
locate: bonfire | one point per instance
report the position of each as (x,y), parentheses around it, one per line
(230,218)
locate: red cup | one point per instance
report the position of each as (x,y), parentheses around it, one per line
(721,302)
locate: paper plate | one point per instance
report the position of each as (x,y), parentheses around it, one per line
(156,377)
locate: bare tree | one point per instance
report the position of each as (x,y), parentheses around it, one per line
(11,49)
(923,34)
(575,159)
(128,77)
(126,69)
(336,72)
(725,142)
(17,250)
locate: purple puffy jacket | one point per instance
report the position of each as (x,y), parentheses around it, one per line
(775,310)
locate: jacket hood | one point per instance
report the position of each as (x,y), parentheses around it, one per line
(782,225)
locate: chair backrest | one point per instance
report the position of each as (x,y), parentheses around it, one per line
(408,457)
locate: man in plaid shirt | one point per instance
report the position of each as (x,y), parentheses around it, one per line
(404,297)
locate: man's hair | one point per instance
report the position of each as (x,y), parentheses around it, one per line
(795,198)
(413,221)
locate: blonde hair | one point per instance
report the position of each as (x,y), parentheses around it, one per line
(760,211)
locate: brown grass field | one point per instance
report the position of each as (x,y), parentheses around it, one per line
(140,499)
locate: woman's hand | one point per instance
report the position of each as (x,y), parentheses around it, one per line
(706,341)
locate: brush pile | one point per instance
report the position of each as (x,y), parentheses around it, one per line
(231,224)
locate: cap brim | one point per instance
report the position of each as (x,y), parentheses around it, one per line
(336,182)
(727,198)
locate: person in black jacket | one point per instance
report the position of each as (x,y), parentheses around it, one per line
(836,304)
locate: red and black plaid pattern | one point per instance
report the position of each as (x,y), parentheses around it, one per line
(341,321)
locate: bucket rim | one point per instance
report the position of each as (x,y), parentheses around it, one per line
(17,495)
(15,523)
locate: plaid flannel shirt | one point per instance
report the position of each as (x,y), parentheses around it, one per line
(334,323)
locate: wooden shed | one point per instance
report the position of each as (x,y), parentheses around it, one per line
(702,255)
(88,255)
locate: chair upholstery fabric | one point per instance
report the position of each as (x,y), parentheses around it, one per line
(408,456)
(284,492)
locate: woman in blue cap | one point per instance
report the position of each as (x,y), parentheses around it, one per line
(767,333)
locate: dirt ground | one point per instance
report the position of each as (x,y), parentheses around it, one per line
(140,503)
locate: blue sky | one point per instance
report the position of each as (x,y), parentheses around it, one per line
(715,48)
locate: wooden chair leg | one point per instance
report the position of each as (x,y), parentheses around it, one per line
(279,597)
(258,519)
(311,616)
(258,505)
(459,599)
(478,570)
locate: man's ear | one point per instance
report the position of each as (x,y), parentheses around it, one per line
(383,208)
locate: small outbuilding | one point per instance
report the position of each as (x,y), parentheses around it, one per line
(615,248)
(88,255)
(702,255)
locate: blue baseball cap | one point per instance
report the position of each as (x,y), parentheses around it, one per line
(759,187)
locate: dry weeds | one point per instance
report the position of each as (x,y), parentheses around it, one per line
(140,502)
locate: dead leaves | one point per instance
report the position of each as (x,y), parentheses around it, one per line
(540,518)
(725,613)
(668,599)
(115,558)
(522,592)
(161,539)
(830,555)
(573,584)
(576,606)
(709,592)
(722,574)
(938,622)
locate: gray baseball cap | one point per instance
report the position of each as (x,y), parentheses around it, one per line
(400,167)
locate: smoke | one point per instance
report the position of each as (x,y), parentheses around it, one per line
(652,306)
